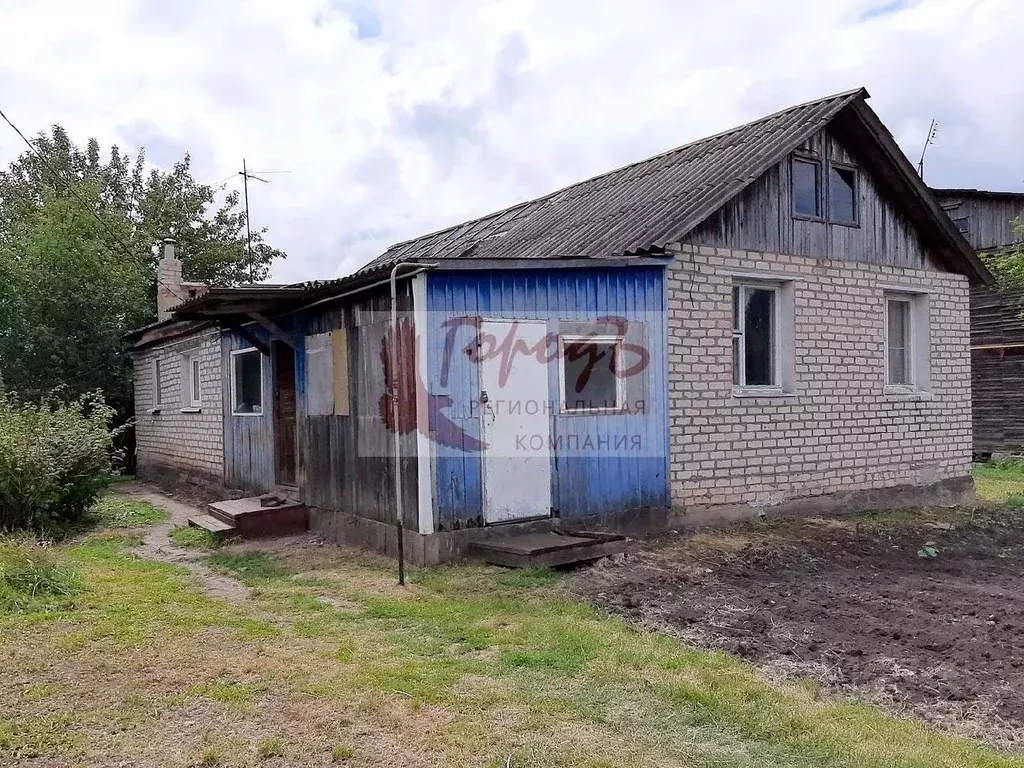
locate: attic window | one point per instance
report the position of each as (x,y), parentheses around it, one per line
(842,194)
(806,187)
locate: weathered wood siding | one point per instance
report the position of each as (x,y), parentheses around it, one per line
(761,218)
(346,462)
(988,218)
(248,440)
(997,370)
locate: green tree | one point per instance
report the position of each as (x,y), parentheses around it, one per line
(1007,263)
(66,299)
(78,267)
(153,203)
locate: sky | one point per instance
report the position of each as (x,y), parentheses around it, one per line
(399,117)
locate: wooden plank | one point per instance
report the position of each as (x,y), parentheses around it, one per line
(339,352)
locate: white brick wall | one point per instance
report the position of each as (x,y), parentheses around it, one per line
(841,431)
(191,443)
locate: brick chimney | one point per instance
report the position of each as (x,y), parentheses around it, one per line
(169,290)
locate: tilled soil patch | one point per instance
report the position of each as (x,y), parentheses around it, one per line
(924,611)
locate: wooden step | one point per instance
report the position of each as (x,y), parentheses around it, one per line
(546,550)
(252,519)
(212,524)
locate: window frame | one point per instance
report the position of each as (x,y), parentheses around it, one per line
(234,383)
(620,389)
(158,387)
(855,221)
(193,381)
(738,332)
(819,201)
(911,363)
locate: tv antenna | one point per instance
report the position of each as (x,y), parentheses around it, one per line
(246,174)
(933,131)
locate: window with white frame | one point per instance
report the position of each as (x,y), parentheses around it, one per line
(907,365)
(755,335)
(193,382)
(247,382)
(590,381)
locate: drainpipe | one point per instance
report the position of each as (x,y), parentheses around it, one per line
(395,360)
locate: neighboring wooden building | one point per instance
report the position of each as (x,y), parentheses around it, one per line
(770,320)
(986,219)
(997,371)
(983,217)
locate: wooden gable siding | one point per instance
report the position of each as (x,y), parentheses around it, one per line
(990,219)
(761,218)
(346,462)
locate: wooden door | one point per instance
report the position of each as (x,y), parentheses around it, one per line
(284,414)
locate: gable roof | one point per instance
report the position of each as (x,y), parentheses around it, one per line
(645,206)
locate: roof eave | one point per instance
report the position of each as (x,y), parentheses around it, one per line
(944,228)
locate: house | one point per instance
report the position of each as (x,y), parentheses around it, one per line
(767,321)
(983,217)
(987,220)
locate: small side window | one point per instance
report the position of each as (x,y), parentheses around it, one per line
(806,187)
(755,336)
(193,380)
(907,335)
(247,383)
(590,380)
(160,384)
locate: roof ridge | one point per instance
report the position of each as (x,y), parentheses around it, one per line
(778,113)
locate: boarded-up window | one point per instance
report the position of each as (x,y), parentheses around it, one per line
(327,389)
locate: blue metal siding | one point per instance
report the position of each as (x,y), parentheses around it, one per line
(600,479)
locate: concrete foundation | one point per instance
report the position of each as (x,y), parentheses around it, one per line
(434,548)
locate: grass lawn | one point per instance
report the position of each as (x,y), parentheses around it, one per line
(1000,482)
(330,662)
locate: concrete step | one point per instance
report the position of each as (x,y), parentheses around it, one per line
(212,524)
(549,549)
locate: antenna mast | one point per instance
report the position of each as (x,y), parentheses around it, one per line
(933,131)
(244,173)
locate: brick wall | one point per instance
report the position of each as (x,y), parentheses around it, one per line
(179,440)
(839,430)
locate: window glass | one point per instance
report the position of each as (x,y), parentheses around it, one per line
(842,194)
(194,381)
(247,382)
(589,375)
(806,193)
(963,225)
(759,337)
(898,341)
(160,382)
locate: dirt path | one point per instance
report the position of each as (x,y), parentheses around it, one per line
(860,608)
(157,544)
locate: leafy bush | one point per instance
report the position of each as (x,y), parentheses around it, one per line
(33,577)
(55,457)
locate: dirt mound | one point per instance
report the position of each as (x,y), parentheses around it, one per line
(925,611)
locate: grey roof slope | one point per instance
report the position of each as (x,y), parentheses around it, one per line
(633,209)
(642,207)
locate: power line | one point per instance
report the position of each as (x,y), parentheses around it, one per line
(70,190)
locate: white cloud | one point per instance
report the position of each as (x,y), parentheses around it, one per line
(401,116)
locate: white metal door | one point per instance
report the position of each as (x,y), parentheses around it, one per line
(515,411)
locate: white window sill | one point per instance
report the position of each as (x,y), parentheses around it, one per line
(192,409)
(907,393)
(247,414)
(761,392)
